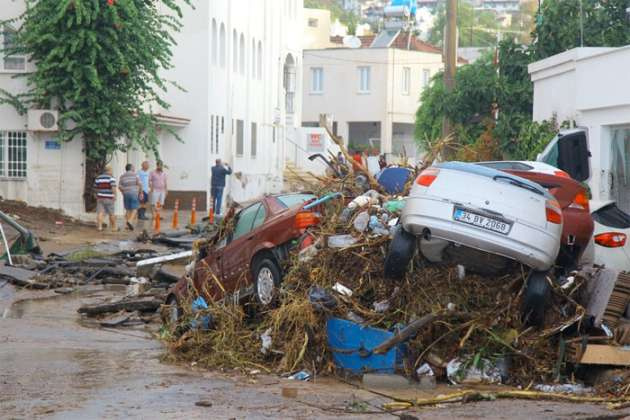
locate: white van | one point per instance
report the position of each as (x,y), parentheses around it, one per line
(605,168)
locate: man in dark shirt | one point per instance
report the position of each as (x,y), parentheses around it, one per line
(217,184)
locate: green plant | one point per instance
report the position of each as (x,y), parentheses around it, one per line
(100,63)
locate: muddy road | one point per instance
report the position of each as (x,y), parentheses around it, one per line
(54,365)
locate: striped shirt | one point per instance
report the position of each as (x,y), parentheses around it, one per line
(129,182)
(104,186)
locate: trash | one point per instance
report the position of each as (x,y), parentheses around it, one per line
(141,303)
(303,375)
(341,241)
(381,306)
(377,227)
(321,299)
(394,206)
(564,388)
(354,317)
(392,222)
(342,290)
(266,341)
(461,272)
(205,321)
(362,201)
(165,258)
(393,180)
(361,221)
(203,403)
(308,253)
(477,371)
(425,370)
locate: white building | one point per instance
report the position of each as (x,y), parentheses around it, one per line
(240,67)
(590,87)
(372,92)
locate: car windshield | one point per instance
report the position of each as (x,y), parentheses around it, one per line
(502,166)
(612,216)
(291,200)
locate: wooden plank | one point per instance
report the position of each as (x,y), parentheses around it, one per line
(602,354)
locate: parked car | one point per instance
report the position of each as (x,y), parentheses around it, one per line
(482,212)
(610,246)
(247,262)
(577,231)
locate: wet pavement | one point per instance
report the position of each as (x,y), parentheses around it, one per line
(53,365)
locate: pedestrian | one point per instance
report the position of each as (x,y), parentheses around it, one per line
(382,162)
(131,189)
(158,187)
(217,184)
(105,187)
(340,158)
(143,174)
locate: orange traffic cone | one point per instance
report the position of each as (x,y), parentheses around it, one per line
(156,216)
(211,215)
(175,223)
(193,212)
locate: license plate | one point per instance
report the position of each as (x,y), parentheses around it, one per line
(484,222)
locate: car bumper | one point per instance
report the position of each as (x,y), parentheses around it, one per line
(533,246)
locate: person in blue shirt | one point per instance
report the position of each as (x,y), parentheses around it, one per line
(143,174)
(217,184)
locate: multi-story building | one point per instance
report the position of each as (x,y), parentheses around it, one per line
(240,67)
(371,92)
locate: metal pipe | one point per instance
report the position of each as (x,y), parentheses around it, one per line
(6,244)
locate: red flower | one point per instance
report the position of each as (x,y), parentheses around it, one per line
(111,2)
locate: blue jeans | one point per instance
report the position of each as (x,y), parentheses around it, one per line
(217,197)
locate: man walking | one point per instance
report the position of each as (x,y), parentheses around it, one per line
(130,187)
(158,186)
(105,187)
(143,174)
(217,184)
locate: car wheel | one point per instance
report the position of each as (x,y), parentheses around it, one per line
(535,298)
(266,280)
(400,253)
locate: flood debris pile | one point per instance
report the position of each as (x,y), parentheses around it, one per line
(338,313)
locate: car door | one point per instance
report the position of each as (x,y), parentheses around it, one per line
(237,254)
(570,153)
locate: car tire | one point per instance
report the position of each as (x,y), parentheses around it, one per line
(400,252)
(267,277)
(535,298)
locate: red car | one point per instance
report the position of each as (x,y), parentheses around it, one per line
(248,261)
(577,231)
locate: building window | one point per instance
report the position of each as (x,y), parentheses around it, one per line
(241,47)
(214,41)
(253,58)
(216,135)
(273,134)
(222,41)
(254,139)
(426,76)
(235,51)
(239,137)
(313,23)
(364,79)
(13,154)
(406,80)
(11,62)
(222,125)
(259,60)
(317,80)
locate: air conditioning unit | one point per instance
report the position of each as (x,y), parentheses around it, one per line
(43,120)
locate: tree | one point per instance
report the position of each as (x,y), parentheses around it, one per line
(476,28)
(99,63)
(605,23)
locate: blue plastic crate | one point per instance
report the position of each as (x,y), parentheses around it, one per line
(351,345)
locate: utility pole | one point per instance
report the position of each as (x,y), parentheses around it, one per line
(450,61)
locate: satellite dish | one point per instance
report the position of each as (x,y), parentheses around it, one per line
(351,41)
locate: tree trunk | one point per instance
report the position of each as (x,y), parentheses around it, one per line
(93,168)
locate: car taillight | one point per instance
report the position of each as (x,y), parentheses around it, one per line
(580,201)
(611,239)
(562,174)
(553,212)
(305,219)
(427,177)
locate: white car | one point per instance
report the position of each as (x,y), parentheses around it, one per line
(610,246)
(525,165)
(487,210)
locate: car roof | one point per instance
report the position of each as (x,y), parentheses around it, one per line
(491,173)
